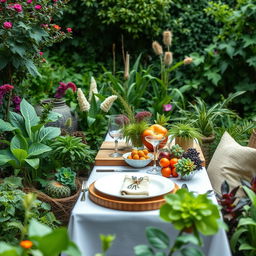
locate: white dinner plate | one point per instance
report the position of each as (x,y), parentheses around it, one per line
(111,185)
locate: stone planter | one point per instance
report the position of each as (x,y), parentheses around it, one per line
(185,143)
(188,176)
(67,121)
(205,146)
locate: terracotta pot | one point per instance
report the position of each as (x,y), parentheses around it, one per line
(252,141)
(205,146)
(185,143)
(60,106)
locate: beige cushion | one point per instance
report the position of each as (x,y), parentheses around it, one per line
(231,162)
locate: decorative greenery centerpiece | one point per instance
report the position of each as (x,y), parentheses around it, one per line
(184,134)
(185,167)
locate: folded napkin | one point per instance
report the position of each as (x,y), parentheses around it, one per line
(133,185)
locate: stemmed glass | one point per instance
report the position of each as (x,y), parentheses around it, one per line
(154,140)
(115,131)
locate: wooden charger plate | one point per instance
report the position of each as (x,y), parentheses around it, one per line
(127,204)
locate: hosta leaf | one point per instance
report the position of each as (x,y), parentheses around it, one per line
(6,127)
(157,238)
(34,163)
(38,149)
(17,121)
(19,154)
(48,133)
(18,141)
(38,229)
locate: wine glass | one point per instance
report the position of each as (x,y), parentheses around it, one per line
(115,128)
(154,140)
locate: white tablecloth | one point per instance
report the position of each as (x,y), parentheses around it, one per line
(88,220)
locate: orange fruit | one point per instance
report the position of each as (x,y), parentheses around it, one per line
(164,162)
(142,158)
(173,161)
(129,157)
(145,151)
(147,157)
(141,153)
(166,172)
(136,157)
(134,152)
(174,173)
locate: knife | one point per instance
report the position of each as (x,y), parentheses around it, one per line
(117,170)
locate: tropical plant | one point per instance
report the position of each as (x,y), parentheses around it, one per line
(29,141)
(243,240)
(37,238)
(184,130)
(207,118)
(12,212)
(190,214)
(69,151)
(176,150)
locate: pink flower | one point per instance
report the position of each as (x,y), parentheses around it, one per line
(38,7)
(7,25)
(167,107)
(122,119)
(3,1)
(69,30)
(40,53)
(62,89)
(17,7)
(142,116)
(55,1)
(29,1)
(71,86)
(3,90)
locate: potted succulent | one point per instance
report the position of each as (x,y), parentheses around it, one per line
(184,134)
(185,168)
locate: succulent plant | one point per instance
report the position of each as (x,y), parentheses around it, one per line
(66,177)
(185,166)
(56,190)
(176,150)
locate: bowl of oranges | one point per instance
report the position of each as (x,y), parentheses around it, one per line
(138,158)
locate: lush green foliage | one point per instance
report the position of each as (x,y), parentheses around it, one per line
(184,130)
(229,63)
(29,141)
(185,211)
(40,238)
(69,151)
(24,35)
(66,177)
(12,211)
(185,166)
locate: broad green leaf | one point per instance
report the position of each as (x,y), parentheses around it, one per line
(72,250)
(235,237)
(251,195)
(38,229)
(38,149)
(18,141)
(34,163)
(6,127)
(188,239)
(19,154)
(29,64)
(143,250)
(246,221)
(191,251)
(245,246)
(5,157)
(18,121)
(157,238)
(54,243)
(30,116)
(8,250)
(48,133)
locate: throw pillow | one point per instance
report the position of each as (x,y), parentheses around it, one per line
(231,162)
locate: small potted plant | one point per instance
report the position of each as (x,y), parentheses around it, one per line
(184,134)
(176,151)
(185,168)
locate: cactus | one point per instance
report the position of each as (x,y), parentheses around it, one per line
(57,190)
(176,151)
(66,177)
(185,166)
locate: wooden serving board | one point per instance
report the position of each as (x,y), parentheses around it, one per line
(107,148)
(125,204)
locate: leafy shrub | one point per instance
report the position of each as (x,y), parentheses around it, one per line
(12,211)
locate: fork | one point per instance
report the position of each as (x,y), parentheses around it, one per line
(83,190)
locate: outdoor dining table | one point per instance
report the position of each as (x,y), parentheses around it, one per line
(88,220)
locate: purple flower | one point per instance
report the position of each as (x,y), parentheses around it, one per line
(3,1)
(16,100)
(142,116)
(122,120)
(17,7)
(7,25)
(167,107)
(29,1)
(61,90)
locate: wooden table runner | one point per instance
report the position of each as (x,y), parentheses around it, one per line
(107,147)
